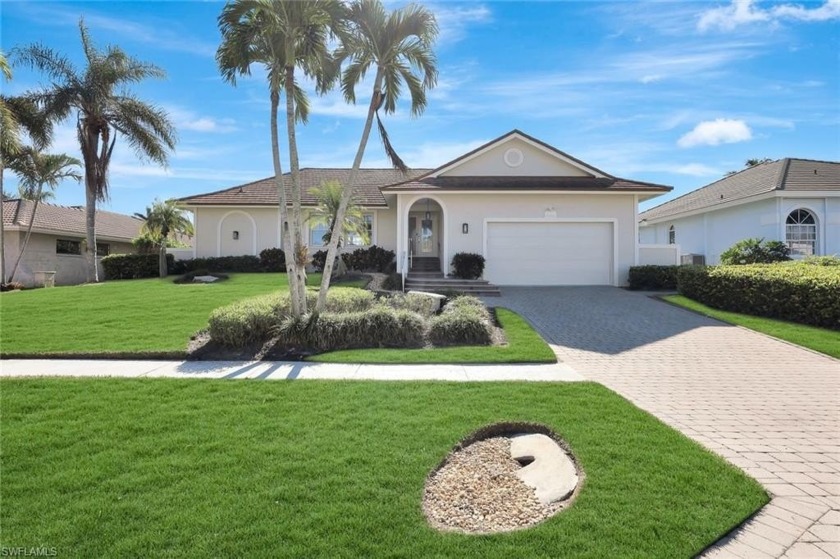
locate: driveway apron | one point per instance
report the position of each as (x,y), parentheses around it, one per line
(767,406)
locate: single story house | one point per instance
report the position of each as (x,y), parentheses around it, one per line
(57,237)
(796,201)
(538,215)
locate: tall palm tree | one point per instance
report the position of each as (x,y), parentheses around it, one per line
(398,47)
(161,221)
(104,109)
(36,171)
(17,115)
(283,35)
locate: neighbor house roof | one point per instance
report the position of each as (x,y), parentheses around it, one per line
(465,184)
(264,192)
(68,220)
(784,174)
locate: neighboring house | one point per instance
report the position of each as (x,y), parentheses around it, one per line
(538,215)
(57,238)
(796,201)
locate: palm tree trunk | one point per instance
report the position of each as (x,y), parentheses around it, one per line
(163,269)
(297,276)
(2,230)
(285,237)
(90,153)
(28,232)
(346,196)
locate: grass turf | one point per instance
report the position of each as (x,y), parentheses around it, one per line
(822,340)
(152,467)
(524,346)
(150,316)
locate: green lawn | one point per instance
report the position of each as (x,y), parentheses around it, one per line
(819,339)
(186,468)
(153,316)
(524,346)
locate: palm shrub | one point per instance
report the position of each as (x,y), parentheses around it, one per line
(755,251)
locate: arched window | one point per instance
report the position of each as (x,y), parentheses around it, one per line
(672,236)
(801,233)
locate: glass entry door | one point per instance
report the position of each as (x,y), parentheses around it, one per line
(423,234)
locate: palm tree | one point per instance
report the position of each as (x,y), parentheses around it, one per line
(329,196)
(17,115)
(37,170)
(104,108)
(398,47)
(282,35)
(160,222)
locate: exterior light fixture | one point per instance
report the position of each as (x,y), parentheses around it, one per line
(465,228)
(236,235)
(428,215)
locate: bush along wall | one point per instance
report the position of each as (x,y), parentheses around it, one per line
(653,277)
(245,263)
(797,292)
(134,266)
(466,265)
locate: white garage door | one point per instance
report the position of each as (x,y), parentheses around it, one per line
(549,253)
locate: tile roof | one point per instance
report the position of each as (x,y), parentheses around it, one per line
(784,174)
(264,193)
(69,220)
(608,184)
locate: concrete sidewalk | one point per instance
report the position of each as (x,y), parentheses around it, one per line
(282,370)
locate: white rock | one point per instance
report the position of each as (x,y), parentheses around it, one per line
(552,473)
(205,279)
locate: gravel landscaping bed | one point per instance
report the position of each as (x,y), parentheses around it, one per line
(477,491)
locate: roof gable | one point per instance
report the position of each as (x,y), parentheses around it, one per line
(517,154)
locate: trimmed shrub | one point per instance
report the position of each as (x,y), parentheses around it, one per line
(371,259)
(414,302)
(466,265)
(380,326)
(255,319)
(795,292)
(755,251)
(464,321)
(273,260)
(822,260)
(653,277)
(245,263)
(135,266)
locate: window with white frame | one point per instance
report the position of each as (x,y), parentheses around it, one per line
(801,233)
(316,234)
(672,236)
(359,240)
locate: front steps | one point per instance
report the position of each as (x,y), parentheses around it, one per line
(440,284)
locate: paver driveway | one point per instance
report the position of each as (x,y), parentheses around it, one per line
(767,406)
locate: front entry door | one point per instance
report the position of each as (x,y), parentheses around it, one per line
(424,234)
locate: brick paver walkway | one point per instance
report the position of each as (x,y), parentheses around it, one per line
(768,407)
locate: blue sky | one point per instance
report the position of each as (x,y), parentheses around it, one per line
(669,92)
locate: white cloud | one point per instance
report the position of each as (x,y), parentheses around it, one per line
(650,78)
(453,21)
(187,119)
(744,12)
(695,170)
(715,132)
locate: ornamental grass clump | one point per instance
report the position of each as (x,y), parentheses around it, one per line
(464,321)
(379,326)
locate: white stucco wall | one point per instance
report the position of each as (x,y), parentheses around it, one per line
(259,229)
(712,233)
(473,209)
(40,256)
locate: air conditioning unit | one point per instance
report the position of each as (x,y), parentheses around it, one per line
(693,259)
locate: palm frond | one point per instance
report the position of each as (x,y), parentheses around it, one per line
(392,154)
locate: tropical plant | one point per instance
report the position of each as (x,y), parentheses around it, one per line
(162,221)
(755,251)
(17,115)
(104,107)
(37,170)
(397,46)
(752,162)
(328,196)
(282,35)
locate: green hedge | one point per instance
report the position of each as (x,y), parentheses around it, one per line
(797,292)
(134,266)
(245,263)
(653,277)
(466,265)
(254,319)
(371,259)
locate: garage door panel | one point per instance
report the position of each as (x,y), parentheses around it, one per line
(549,253)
